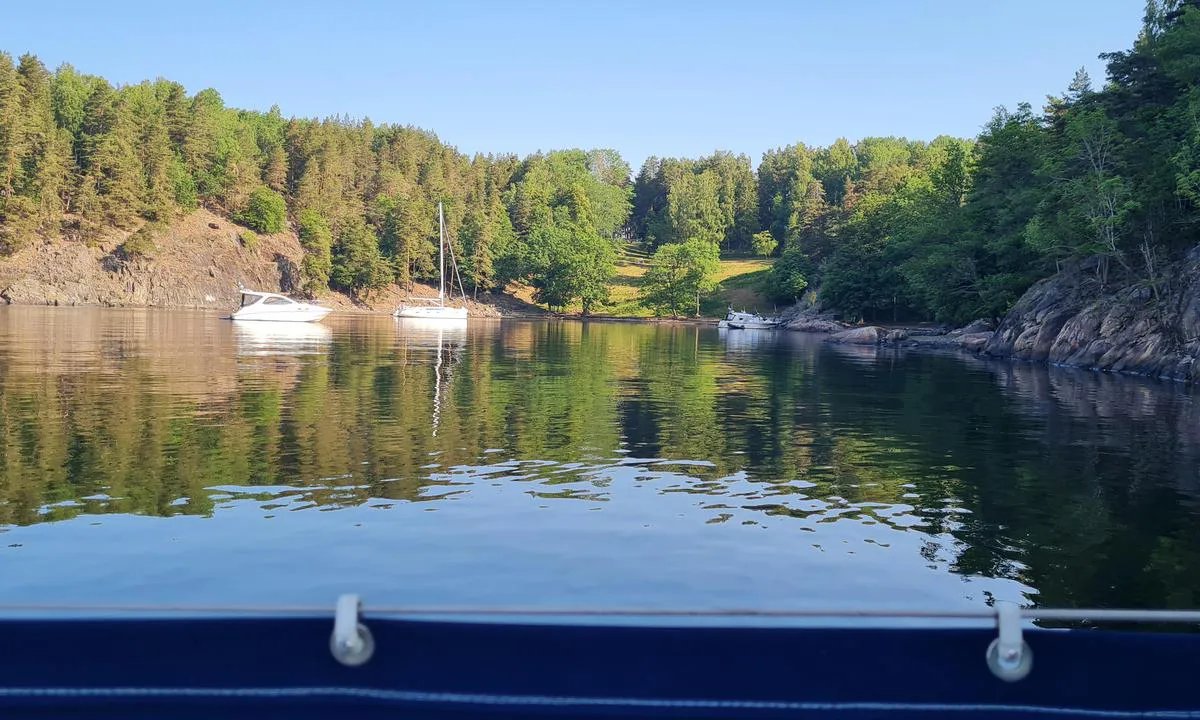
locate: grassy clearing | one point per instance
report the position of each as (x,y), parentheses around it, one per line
(738,282)
(739,286)
(623,289)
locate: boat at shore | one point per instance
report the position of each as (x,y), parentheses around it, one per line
(436,308)
(258,305)
(740,320)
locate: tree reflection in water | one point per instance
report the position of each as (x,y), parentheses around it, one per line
(1078,489)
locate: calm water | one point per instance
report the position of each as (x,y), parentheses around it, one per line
(150,456)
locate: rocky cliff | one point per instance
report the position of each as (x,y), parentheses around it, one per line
(1068,319)
(199,262)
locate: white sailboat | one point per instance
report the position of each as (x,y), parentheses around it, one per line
(436,308)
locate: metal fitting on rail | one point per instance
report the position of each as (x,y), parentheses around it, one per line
(1008,656)
(351,642)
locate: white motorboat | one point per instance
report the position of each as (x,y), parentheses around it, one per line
(436,308)
(257,305)
(737,320)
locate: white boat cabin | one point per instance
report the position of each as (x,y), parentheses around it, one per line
(259,305)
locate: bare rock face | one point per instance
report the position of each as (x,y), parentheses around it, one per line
(1069,320)
(192,266)
(896,336)
(982,325)
(807,316)
(974,342)
(869,335)
(814,325)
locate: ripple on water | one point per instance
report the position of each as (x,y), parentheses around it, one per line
(170,457)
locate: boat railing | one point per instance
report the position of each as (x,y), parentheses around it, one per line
(1025,613)
(1008,656)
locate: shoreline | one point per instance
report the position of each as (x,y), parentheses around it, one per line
(350,308)
(943,343)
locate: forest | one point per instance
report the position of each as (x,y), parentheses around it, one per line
(1104,177)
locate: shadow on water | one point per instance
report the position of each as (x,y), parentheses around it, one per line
(583,462)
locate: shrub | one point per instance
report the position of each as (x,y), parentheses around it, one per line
(789,276)
(266,211)
(764,243)
(141,243)
(249,239)
(183,185)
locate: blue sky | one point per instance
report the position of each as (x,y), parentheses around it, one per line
(662,78)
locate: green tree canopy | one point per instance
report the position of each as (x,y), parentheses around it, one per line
(266,211)
(679,273)
(357,262)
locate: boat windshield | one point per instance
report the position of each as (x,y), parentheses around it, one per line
(250,298)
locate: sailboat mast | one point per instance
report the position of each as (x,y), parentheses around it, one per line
(441,259)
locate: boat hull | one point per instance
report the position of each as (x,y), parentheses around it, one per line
(304,313)
(746,325)
(281,667)
(432,313)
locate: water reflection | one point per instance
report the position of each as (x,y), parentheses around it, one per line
(445,338)
(260,337)
(157,456)
(748,340)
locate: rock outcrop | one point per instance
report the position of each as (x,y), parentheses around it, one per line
(975,327)
(807,316)
(199,263)
(194,266)
(1068,319)
(814,325)
(869,335)
(975,341)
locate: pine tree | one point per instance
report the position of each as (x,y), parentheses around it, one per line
(317,240)
(176,111)
(113,181)
(153,143)
(275,172)
(69,93)
(34,164)
(48,148)
(10,138)
(200,140)
(475,238)
(357,262)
